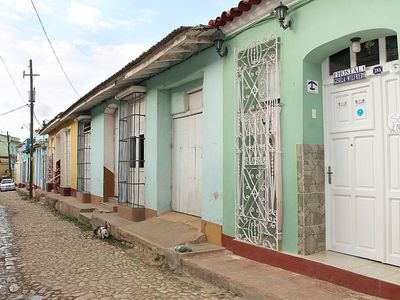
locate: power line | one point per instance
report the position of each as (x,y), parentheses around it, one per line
(13,110)
(16,87)
(12,79)
(40,125)
(54,52)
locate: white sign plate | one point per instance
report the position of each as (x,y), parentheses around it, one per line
(347,75)
(312,86)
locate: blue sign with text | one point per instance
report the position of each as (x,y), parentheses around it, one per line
(347,75)
(377,70)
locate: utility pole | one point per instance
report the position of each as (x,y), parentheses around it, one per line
(31,101)
(9,155)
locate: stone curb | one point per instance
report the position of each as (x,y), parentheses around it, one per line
(176,261)
(224,281)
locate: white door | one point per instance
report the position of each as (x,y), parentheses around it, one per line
(391,131)
(362,131)
(187,162)
(354,156)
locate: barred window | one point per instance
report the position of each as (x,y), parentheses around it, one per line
(84,133)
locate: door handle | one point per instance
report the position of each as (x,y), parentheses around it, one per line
(329,175)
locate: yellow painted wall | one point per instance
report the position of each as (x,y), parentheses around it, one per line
(73,126)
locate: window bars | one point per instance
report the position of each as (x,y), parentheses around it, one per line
(131,150)
(258,178)
(84,133)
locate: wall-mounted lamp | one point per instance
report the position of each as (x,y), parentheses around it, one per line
(219,43)
(281,13)
(355,44)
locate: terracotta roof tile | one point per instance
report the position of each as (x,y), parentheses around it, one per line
(229,15)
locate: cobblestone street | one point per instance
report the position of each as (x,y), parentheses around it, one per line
(55,259)
(10,276)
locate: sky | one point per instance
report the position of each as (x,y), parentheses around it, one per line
(93,39)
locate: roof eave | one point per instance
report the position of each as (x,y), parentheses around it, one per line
(166,53)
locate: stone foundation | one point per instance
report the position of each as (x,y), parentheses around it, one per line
(149,213)
(64,191)
(95,199)
(311,198)
(135,214)
(83,197)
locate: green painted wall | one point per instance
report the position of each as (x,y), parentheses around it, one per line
(178,102)
(97,150)
(320,28)
(158,151)
(178,95)
(212,191)
(14,143)
(313,128)
(151,152)
(166,96)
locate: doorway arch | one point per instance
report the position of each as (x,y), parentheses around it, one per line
(312,220)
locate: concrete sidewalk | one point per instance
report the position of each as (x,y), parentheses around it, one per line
(213,263)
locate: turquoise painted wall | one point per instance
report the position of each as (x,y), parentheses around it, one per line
(158,151)
(212,192)
(166,96)
(14,144)
(178,103)
(178,95)
(150,153)
(317,33)
(97,150)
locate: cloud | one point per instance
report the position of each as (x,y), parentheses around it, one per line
(146,15)
(19,9)
(86,62)
(11,16)
(93,18)
(88,16)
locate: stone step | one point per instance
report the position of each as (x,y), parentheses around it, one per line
(85,217)
(113,200)
(109,206)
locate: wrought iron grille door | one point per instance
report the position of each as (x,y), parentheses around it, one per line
(258,185)
(84,132)
(131,150)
